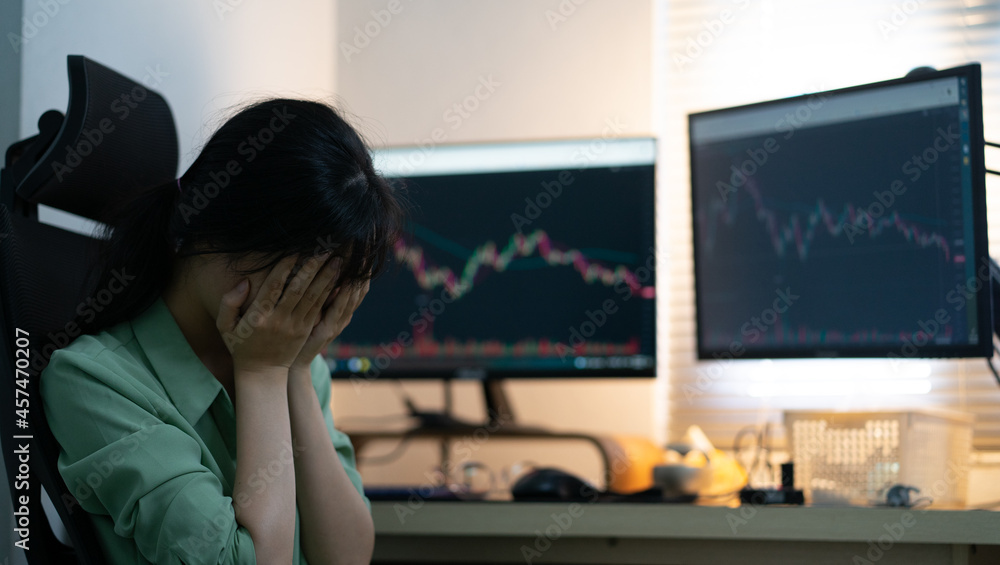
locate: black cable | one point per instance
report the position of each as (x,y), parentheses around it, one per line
(430,420)
(388,457)
(407,401)
(765,446)
(737,447)
(989,363)
(756,453)
(991,144)
(754,433)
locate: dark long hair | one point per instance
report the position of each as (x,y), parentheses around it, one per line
(281,177)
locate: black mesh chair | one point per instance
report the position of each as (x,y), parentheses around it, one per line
(117,137)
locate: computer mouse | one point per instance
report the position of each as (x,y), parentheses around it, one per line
(549,483)
(899,495)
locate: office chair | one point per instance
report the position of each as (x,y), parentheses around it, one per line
(80,163)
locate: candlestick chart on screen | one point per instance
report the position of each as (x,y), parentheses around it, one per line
(853,223)
(497,271)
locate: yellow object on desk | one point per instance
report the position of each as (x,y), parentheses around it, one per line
(702,470)
(632,468)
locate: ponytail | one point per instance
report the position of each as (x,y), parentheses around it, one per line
(136,258)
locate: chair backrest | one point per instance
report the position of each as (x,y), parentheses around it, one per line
(117,137)
(40,270)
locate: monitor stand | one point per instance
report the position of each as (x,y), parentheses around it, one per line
(499,413)
(499,424)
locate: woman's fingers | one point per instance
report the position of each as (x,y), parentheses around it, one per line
(339,314)
(295,297)
(280,320)
(329,295)
(311,304)
(271,290)
(339,306)
(229,306)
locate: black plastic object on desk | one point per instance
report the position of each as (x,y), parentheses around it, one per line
(549,484)
(787,494)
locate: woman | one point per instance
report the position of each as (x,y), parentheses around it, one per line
(194,416)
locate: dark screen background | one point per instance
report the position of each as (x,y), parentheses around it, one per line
(785,229)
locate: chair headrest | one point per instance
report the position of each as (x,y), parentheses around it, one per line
(118,137)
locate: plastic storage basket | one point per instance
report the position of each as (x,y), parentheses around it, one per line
(854,457)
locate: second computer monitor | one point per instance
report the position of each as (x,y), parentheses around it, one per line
(849,223)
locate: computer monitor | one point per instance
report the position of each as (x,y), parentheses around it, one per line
(847,223)
(520,260)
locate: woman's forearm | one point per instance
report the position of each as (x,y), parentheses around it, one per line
(264,492)
(336,526)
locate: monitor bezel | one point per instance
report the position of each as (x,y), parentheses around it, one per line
(973,74)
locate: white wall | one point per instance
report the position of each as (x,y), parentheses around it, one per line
(202,58)
(558,76)
(560,70)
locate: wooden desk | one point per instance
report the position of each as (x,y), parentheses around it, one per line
(507,532)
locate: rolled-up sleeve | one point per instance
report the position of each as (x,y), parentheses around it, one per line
(123,458)
(321,382)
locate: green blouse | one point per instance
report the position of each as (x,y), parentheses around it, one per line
(148,444)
